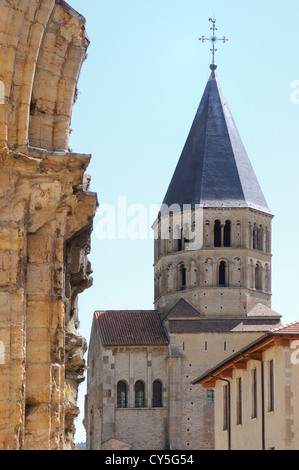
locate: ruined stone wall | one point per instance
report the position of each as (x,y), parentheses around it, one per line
(46,214)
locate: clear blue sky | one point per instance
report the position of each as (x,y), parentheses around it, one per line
(138,93)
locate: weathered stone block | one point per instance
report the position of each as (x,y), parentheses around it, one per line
(9,268)
(40,249)
(38,343)
(39,313)
(39,194)
(38,380)
(39,279)
(4,309)
(4,181)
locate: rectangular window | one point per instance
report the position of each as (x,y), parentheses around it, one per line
(271,386)
(211,396)
(225,408)
(239,401)
(254,393)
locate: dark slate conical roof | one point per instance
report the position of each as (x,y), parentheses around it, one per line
(214,169)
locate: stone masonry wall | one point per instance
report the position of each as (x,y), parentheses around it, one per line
(196,353)
(46,214)
(105,423)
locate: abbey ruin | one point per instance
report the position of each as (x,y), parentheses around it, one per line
(46,216)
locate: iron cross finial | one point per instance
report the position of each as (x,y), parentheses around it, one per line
(213,39)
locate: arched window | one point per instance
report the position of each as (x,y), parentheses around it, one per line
(158,247)
(267,279)
(217,233)
(157,394)
(182,277)
(227,234)
(260,238)
(121,394)
(139,394)
(186,235)
(254,237)
(178,237)
(258,283)
(207,233)
(222,273)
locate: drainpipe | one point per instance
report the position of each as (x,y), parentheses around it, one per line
(263,396)
(228,409)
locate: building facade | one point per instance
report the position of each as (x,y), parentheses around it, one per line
(256,394)
(212,296)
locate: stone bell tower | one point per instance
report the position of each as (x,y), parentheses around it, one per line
(213,232)
(212,263)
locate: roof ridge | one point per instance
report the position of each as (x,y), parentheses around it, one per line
(127,311)
(283,327)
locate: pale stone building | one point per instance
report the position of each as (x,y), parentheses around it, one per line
(256,394)
(46,214)
(212,296)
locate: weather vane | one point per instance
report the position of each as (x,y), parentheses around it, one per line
(213,39)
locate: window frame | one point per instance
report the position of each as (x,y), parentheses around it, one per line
(222,273)
(271,390)
(139,400)
(122,399)
(157,399)
(227,234)
(239,401)
(217,234)
(254,395)
(225,405)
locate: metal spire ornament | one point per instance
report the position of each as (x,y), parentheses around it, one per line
(213,39)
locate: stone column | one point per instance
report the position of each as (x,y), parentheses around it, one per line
(45,346)
(149,391)
(108,396)
(13,255)
(44,203)
(174,397)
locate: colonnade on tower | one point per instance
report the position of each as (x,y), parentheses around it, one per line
(227,250)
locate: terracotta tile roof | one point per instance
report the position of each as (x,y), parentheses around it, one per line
(290,329)
(261,344)
(131,328)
